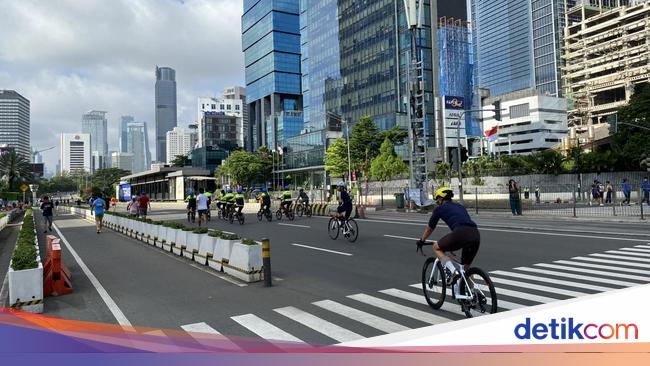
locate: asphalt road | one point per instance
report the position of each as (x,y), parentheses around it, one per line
(329,291)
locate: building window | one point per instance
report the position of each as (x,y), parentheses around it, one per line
(222,107)
(237,107)
(214,106)
(520,110)
(229,107)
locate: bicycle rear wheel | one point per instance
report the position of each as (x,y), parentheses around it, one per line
(278,214)
(308,212)
(434,285)
(353,234)
(333,228)
(241,219)
(259,215)
(484,301)
(290,215)
(300,210)
(269,216)
(231,217)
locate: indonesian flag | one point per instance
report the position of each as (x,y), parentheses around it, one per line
(492,134)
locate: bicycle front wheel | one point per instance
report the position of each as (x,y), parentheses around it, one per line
(308,212)
(241,219)
(259,215)
(333,228)
(278,214)
(290,215)
(434,285)
(484,299)
(300,210)
(353,232)
(231,217)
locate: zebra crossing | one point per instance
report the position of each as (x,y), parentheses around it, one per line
(391,310)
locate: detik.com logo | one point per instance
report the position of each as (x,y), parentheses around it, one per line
(569,328)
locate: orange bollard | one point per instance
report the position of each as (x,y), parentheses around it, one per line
(56,279)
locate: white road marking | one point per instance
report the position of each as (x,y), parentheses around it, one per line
(449,304)
(323,250)
(553,281)
(264,329)
(112,306)
(610,268)
(510,293)
(647,246)
(646,255)
(322,326)
(197,330)
(611,256)
(578,277)
(639,250)
(399,309)
(368,319)
(620,263)
(400,237)
(295,225)
(531,286)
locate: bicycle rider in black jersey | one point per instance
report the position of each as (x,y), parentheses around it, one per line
(345,205)
(464,232)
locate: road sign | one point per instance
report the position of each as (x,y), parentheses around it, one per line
(24,187)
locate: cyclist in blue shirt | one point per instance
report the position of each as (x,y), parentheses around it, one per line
(98,208)
(464,232)
(345,202)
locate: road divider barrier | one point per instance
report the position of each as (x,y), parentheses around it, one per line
(57,277)
(25,274)
(223,252)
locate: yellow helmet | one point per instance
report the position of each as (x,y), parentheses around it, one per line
(444,193)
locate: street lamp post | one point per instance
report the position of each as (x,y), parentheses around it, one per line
(33,188)
(347,137)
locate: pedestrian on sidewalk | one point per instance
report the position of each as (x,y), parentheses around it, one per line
(627,191)
(645,187)
(133,207)
(99,206)
(608,192)
(47,207)
(145,205)
(537,194)
(113,202)
(515,197)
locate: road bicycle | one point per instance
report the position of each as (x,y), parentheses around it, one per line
(349,228)
(235,214)
(265,213)
(473,290)
(288,213)
(191,215)
(303,209)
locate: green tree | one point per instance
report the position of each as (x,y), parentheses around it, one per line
(336,158)
(547,162)
(105,180)
(387,164)
(441,172)
(15,168)
(243,167)
(266,158)
(181,161)
(632,142)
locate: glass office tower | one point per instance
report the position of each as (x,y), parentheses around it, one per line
(166,117)
(518,48)
(271,45)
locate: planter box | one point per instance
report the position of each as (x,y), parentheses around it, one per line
(223,249)
(245,262)
(206,250)
(26,286)
(169,238)
(155,234)
(3,222)
(192,245)
(181,242)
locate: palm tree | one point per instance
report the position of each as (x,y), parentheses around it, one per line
(14,167)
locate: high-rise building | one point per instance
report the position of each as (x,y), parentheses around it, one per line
(125,120)
(138,145)
(239,93)
(179,143)
(76,153)
(14,122)
(271,45)
(607,58)
(166,115)
(122,161)
(95,124)
(194,134)
(519,48)
(219,130)
(230,107)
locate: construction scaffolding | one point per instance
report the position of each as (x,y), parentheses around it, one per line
(606,53)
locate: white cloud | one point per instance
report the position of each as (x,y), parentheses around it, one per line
(70,56)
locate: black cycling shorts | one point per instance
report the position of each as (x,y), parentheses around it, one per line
(347,208)
(466,238)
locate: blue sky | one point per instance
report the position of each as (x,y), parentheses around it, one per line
(68,57)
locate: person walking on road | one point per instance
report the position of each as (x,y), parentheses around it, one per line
(113,202)
(645,187)
(133,207)
(609,190)
(627,191)
(202,206)
(99,206)
(537,194)
(47,207)
(145,205)
(515,199)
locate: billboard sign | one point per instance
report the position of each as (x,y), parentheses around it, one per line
(454,119)
(124,192)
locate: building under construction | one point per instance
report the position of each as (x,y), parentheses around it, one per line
(607,57)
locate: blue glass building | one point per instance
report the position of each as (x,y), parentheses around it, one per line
(518,48)
(271,45)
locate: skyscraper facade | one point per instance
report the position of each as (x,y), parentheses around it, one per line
(14,122)
(95,124)
(75,153)
(138,145)
(271,45)
(239,93)
(519,48)
(166,113)
(179,143)
(124,122)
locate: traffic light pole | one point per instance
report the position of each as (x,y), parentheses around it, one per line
(459,162)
